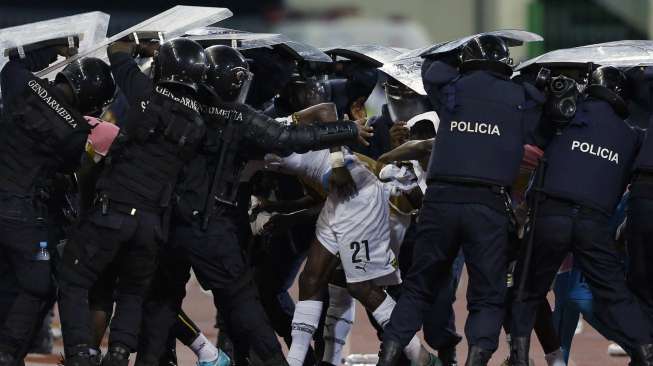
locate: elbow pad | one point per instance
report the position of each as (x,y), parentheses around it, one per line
(334,134)
(283,140)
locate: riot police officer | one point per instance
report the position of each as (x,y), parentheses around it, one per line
(640,207)
(465,204)
(574,215)
(163,130)
(203,236)
(44,133)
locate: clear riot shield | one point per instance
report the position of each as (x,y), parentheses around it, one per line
(375,55)
(407,71)
(80,31)
(164,26)
(240,40)
(243,40)
(619,53)
(513,37)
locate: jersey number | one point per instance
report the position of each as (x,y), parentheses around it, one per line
(356,247)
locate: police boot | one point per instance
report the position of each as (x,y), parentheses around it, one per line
(81,356)
(118,355)
(519,347)
(478,356)
(390,353)
(6,359)
(448,356)
(642,356)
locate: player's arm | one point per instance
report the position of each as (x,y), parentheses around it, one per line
(410,150)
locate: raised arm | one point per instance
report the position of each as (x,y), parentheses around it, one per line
(17,72)
(130,79)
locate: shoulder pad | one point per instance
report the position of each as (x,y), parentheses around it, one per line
(438,72)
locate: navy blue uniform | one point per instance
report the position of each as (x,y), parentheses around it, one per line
(42,135)
(640,211)
(485,120)
(588,167)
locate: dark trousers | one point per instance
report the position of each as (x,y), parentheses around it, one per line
(640,252)
(559,229)
(129,241)
(22,228)
(218,263)
(443,229)
(440,320)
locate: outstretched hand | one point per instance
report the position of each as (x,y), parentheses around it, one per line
(364,131)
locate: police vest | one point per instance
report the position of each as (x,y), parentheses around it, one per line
(219,163)
(591,161)
(481,133)
(160,136)
(43,135)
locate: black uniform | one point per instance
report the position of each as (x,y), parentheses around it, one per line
(162,131)
(485,120)
(588,167)
(42,134)
(237,134)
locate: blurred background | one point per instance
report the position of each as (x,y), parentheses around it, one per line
(398,23)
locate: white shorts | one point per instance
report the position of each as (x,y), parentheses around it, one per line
(358,231)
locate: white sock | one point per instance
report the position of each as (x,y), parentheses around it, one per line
(555,358)
(413,351)
(383,312)
(382,316)
(204,349)
(304,322)
(339,319)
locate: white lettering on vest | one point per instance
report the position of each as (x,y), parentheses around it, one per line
(42,93)
(598,151)
(475,127)
(231,114)
(185,101)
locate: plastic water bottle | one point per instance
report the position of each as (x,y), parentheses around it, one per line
(42,254)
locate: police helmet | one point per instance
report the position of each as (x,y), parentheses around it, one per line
(403,102)
(228,74)
(610,84)
(180,61)
(91,82)
(486,48)
(304,91)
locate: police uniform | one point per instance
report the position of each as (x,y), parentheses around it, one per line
(485,120)
(42,135)
(639,231)
(210,246)
(162,131)
(587,168)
